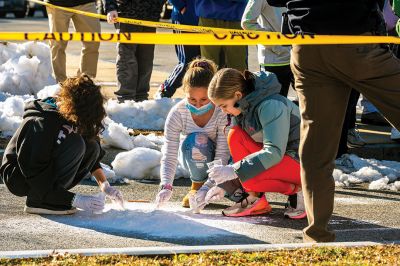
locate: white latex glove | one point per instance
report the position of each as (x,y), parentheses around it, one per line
(215,194)
(163,196)
(198,201)
(222,173)
(112,17)
(114,194)
(94,203)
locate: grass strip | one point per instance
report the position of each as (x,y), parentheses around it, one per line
(373,255)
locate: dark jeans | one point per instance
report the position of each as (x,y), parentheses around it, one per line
(72,159)
(349,122)
(134,66)
(284,75)
(185,54)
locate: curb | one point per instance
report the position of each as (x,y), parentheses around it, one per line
(151,251)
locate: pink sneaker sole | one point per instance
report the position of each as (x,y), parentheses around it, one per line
(297,217)
(248,213)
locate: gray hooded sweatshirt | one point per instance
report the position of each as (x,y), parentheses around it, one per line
(258,15)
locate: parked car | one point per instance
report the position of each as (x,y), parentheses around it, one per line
(31,7)
(18,7)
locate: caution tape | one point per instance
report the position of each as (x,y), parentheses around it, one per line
(265,38)
(153,24)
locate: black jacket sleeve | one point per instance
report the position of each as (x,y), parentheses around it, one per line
(278,3)
(110,5)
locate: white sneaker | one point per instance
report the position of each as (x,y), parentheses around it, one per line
(395,134)
(354,138)
(299,212)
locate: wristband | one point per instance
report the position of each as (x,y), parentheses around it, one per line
(166,186)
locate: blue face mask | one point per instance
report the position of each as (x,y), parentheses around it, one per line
(199,111)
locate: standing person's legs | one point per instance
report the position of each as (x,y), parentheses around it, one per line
(320,133)
(236,55)
(58,22)
(185,54)
(90,50)
(349,122)
(211,52)
(375,72)
(127,66)
(145,57)
(284,75)
(283,177)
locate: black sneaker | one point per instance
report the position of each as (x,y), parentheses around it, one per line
(46,208)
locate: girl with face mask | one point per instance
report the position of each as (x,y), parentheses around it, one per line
(263,141)
(194,133)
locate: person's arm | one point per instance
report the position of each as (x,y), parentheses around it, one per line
(251,14)
(169,160)
(275,120)
(222,149)
(110,5)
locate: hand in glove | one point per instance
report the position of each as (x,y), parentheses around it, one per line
(198,201)
(89,203)
(222,173)
(164,195)
(114,194)
(214,194)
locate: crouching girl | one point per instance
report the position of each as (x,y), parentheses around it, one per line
(55,147)
(263,140)
(200,125)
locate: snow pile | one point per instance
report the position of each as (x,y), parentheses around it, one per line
(11,112)
(48,91)
(137,163)
(381,175)
(24,68)
(150,114)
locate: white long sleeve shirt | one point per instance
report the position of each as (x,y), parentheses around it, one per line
(178,125)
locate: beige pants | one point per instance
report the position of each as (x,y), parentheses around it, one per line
(59,22)
(324,77)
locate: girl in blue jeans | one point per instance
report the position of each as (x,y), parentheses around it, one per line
(194,133)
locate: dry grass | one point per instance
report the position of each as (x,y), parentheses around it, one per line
(375,255)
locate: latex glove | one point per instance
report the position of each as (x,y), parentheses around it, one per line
(114,194)
(198,201)
(215,194)
(112,17)
(164,195)
(222,173)
(90,203)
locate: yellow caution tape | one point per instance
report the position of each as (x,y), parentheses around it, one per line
(266,38)
(153,24)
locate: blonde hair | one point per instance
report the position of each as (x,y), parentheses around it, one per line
(198,74)
(227,81)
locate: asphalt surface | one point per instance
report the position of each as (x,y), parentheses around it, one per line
(360,214)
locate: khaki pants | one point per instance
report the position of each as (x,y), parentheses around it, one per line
(224,56)
(59,22)
(324,78)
